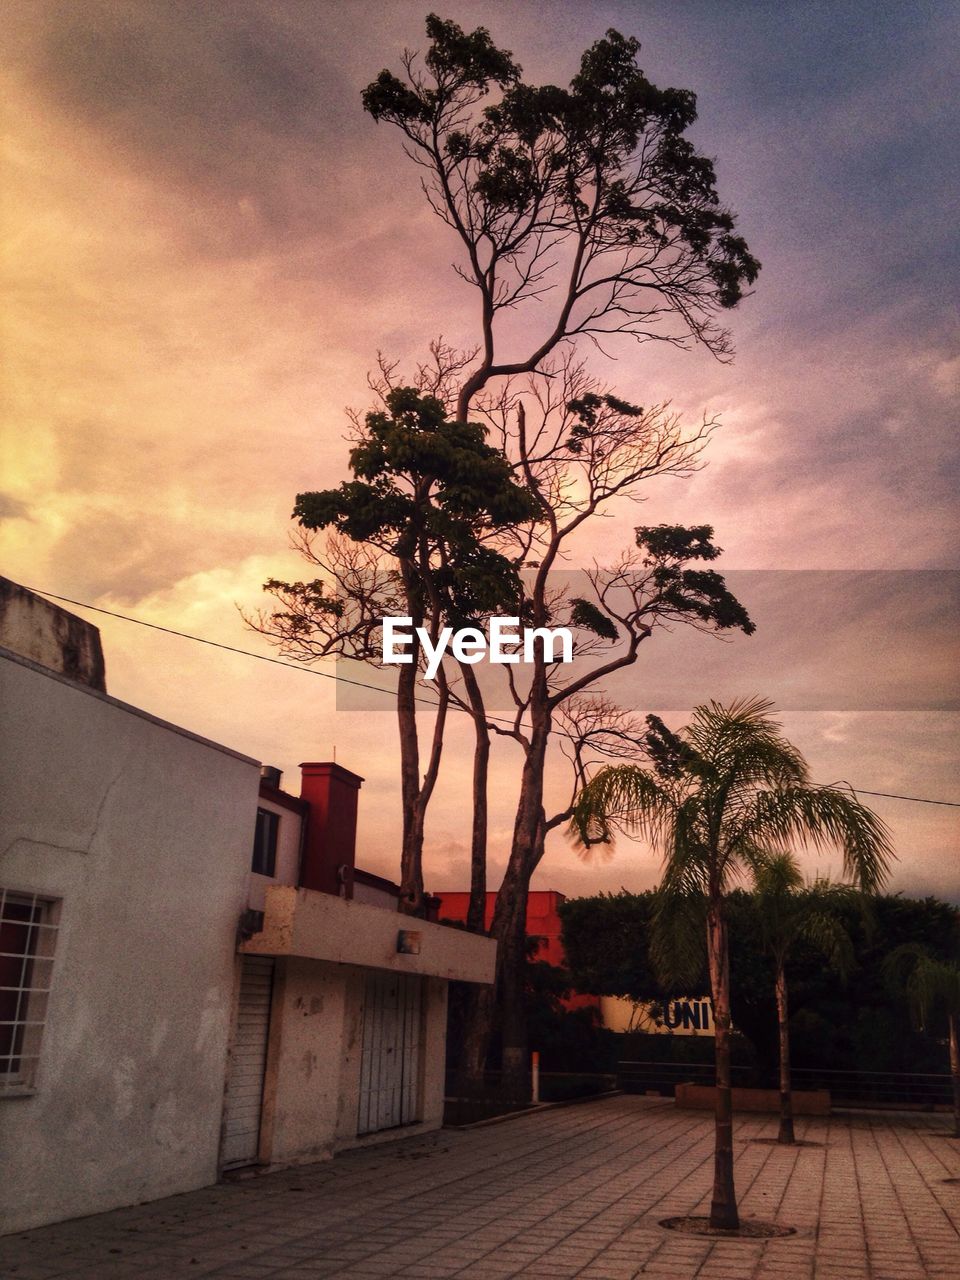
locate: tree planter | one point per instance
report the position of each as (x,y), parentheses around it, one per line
(702,1097)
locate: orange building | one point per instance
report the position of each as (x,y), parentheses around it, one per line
(543,923)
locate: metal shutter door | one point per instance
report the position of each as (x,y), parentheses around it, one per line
(390,1058)
(248,1060)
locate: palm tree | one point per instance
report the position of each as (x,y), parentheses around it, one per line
(722,793)
(790,913)
(931,985)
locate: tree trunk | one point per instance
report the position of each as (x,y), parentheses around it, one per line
(510,917)
(480,1001)
(723,1208)
(512,946)
(508,928)
(477,1027)
(955,1073)
(477,907)
(416,790)
(509,925)
(786,1134)
(411,847)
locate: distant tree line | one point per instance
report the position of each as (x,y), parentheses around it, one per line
(846,1023)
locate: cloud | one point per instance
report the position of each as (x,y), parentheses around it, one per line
(12,508)
(209,241)
(228,108)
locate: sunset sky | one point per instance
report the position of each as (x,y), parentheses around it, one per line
(206,242)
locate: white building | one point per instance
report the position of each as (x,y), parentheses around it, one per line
(342,1006)
(155,1028)
(123,871)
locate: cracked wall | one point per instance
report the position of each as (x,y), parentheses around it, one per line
(144,833)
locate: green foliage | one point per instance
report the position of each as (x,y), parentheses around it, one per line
(698,595)
(670,754)
(605,160)
(929,985)
(725,791)
(473,59)
(834,1023)
(606,940)
(426,490)
(586,409)
(789,913)
(567,1039)
(666,542)
(313,600)
(585,614)
(458,62)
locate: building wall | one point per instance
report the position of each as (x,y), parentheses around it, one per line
(308,1035)
(144,833)
(543,922)
(543,918)
(46,634)
(319,926)
(692,1016)
(288,852)
(324,947)
(312,1085)
(375,891)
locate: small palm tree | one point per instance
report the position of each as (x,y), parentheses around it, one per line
(931,986)
(789,914)
(722,793)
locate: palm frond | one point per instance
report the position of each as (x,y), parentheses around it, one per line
(677,938)
(777,882)
(926,982)
(727,794)
(776,872)
(686,859)
(624,797)
(826,816)
(743,741)
(825,932)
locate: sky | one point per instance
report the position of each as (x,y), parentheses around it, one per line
(206,242)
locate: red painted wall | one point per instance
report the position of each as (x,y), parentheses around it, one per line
(543,922)
(330,845)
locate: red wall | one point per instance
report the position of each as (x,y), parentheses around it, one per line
(543,922)
(330,844)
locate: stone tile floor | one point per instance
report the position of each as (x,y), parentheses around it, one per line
(575,1191)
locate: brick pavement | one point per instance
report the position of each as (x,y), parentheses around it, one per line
(564,1192)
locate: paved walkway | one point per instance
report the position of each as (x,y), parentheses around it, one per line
(575,1191)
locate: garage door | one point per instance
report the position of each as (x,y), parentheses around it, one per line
(248,1061)
(390,1060)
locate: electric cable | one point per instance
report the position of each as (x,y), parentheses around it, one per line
(361,684)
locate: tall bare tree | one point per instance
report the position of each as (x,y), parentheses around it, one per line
(579,449)
(585,209)
(585,213)
(425,492)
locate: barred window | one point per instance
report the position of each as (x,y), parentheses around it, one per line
(28,935)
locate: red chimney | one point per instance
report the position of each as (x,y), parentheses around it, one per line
(330,846)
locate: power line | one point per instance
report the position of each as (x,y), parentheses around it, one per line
(216,644)
(890,795)
(361,684)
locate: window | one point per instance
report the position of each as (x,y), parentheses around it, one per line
(265,843)
(28,935)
